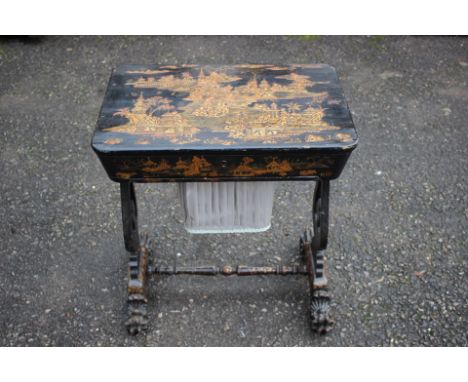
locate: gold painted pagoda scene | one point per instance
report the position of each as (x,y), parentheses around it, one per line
(224,106)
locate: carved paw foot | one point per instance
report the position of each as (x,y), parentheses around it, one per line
(321,321)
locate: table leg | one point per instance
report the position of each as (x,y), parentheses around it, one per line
(138,264)
(313,245)
(129,216)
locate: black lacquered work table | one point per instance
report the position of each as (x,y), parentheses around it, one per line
(225,123)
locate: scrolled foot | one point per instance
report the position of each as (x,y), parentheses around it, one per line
(321,321)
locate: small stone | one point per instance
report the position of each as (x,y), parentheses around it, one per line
(390,74)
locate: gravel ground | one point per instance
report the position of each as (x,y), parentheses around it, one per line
(398,242)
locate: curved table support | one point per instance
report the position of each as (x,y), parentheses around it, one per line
(138,263)
(313,245)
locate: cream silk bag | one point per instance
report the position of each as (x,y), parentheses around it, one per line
(225,207)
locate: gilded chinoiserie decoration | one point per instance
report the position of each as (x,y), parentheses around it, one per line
(170,125)
(259,103)
(204,123)
(186,165)
(342,137)
(147,71)
(198,166)
(125,175)
(151,166)
(113,141)
(273,167)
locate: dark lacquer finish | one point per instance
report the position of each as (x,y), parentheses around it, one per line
(251,122)
(241,122)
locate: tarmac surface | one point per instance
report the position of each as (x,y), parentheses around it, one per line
(398,239)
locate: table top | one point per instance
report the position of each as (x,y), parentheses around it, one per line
(237,107)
